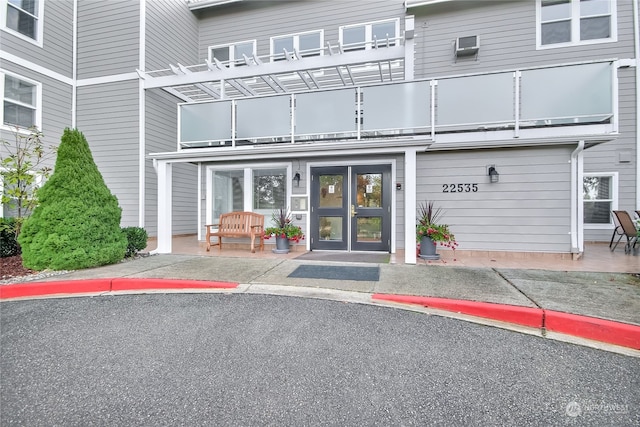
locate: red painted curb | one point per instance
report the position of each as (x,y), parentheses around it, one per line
(526,316)
(20,290)
(130,284)
(592,328)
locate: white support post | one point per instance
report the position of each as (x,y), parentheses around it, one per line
(165,181)
(410,188)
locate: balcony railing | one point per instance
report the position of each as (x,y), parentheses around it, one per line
(542,97)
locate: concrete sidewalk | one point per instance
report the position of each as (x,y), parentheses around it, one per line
(608,296)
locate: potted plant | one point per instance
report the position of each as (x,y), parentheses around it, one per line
(284,231)
(429,233)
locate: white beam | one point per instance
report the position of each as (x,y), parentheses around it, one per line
(279,67)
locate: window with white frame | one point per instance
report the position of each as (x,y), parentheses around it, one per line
(307,44)
(233,54)
(256,189)
(367,36)
(24,18)
(600,198)
(20,101)
(572,22)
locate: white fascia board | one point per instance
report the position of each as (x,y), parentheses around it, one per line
(279,67)
(416,3)
(108,79)
(35,67)
(592,135)
(287,151)
(202,4)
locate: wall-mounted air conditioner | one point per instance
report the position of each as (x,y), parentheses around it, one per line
(466,46)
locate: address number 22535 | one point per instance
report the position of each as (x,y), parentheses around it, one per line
(459,188)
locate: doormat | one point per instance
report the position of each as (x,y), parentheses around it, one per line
(342,256)
(339,272)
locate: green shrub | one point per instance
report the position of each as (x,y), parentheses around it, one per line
(8,244)
(77,223)
(136,240)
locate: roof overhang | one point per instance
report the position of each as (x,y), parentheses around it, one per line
(293,151)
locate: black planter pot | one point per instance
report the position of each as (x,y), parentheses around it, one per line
(282,245)
(428,249)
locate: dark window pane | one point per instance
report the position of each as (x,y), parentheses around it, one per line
(556,32)
(19,115)
(597,212)
(383,30)
(221,54)
(353,38)
(310,43)
(595,28)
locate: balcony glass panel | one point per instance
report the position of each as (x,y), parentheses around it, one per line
(321,113)
(263,117)
(475,100)
(209,121)
(571,94)
(400,106)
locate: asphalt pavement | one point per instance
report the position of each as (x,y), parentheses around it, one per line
(565,302)
(216,359)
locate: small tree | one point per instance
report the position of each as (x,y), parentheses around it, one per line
(23,164)
(77,222)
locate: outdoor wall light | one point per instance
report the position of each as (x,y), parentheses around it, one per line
(494,176)
(296,178)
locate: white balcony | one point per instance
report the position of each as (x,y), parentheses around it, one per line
(507,106)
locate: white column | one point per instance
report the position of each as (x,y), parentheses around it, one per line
(410,188)
(164,170)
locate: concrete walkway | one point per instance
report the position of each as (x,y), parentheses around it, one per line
(596,306)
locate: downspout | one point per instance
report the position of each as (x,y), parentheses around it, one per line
(636,34)
(74,65)
(577,239)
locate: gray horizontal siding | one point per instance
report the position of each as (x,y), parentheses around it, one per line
(108,37)
(108,117)
(56,103)
(528,210)
(262,21)
(170,20)
(56,51)
(507,31)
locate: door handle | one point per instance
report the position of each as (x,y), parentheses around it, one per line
(353,211)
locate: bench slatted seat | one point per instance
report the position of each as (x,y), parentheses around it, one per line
(237,224)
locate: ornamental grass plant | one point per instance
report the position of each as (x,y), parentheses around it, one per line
(284,227)
(428,217)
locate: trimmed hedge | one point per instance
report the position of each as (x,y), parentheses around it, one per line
(77,222)
(136,240)
(8,244)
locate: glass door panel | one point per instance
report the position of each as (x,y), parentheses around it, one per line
(329,213)
(371,208)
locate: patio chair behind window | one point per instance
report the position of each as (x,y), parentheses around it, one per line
(624,228)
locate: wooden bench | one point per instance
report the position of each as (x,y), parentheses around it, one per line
(237,224)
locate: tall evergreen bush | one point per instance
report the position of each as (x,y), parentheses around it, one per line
(77,223)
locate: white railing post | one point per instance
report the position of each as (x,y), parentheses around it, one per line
(516,129)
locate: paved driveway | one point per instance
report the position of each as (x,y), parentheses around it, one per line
(221,359)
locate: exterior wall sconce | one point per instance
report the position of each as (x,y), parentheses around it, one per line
(296,178)
(494,176)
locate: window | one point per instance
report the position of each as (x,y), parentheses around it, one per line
(269,190)
(24,17)
(570,22)
(20,101)
(365,36)
(233,54)
(600,198)
(307,44)
(260,189)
